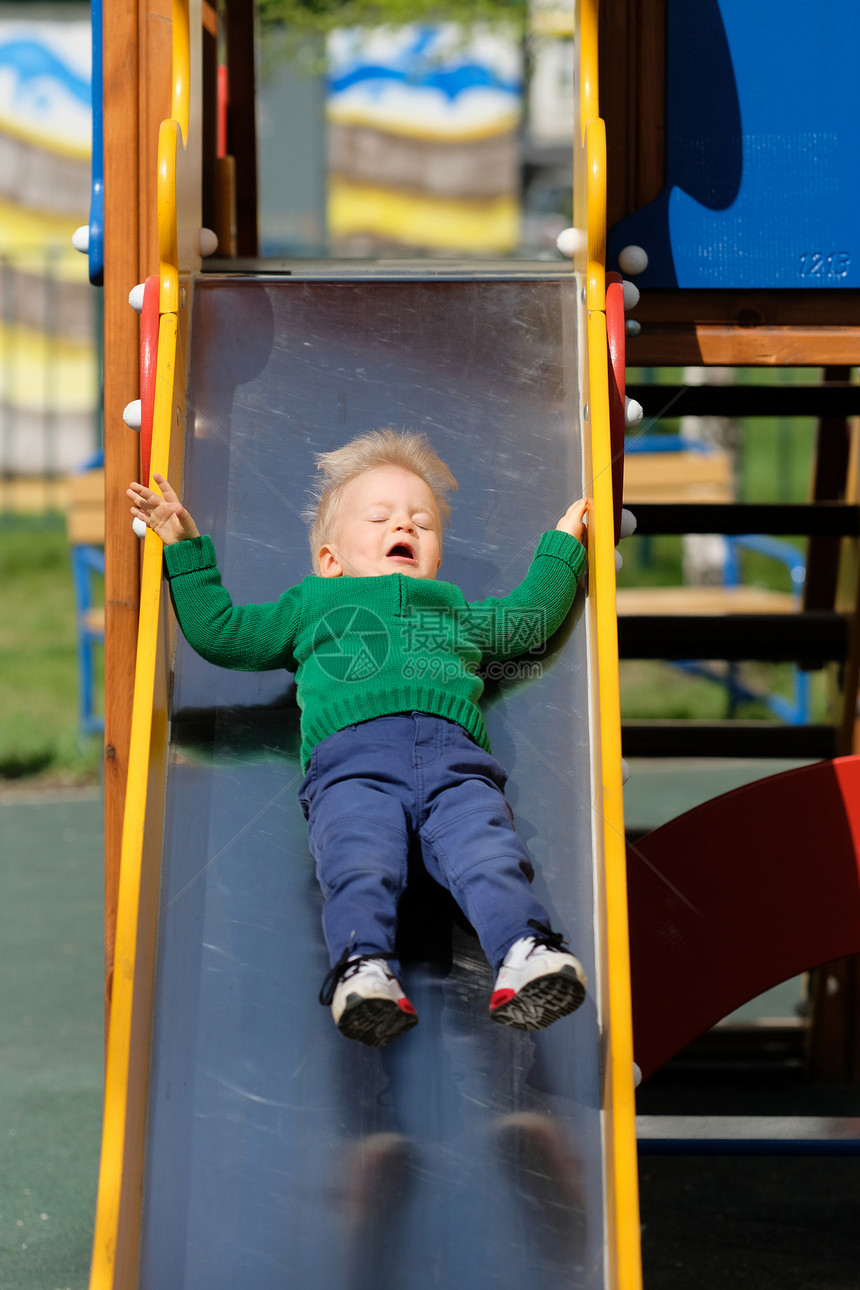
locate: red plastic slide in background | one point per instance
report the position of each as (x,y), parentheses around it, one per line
(739,894)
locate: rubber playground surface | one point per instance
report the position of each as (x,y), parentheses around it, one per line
(51,1037)
(712,1223)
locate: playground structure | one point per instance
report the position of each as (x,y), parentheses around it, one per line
(709,172)
(178,749)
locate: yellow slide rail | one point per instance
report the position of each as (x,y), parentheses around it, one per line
(116,1244)
(619,1110)
(181,106)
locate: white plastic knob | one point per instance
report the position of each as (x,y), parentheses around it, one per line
(631,295)
(633,260)
(628,522)
(633,412)
(81,239)
(207,242)
(637,1076)
(625,771)
(632,327)
(132,415)
(619,561)
(135,297)
(571,240)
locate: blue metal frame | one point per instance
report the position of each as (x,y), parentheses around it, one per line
(88,563)
(664,443)
(96,252)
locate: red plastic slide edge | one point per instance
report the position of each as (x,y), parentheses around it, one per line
(148,363)
(617,423)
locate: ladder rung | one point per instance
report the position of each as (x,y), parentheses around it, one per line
(747,1135)
(812,638)
(747,400)
(777,519)
(727,739)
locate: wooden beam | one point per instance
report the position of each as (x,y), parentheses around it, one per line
(751,309)
(121,364)
(740,328)
(706,477)
(136,63)
(695,344)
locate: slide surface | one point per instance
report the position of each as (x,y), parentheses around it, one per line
(464,1156)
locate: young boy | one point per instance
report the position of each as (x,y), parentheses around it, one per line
(394,746)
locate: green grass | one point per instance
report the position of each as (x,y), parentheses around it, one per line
(39,740)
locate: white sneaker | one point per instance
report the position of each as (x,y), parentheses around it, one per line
(368,1003)
(538,982)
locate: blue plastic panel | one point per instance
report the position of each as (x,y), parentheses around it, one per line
(762,149)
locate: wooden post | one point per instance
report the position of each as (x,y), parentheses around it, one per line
(829,479)
(833,1040)
(632,52)
(242,121)
(122,584)
(131,98)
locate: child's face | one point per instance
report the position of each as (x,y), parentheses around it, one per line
(386,522)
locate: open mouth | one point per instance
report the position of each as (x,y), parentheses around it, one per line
(401,551)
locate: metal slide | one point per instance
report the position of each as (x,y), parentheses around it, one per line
(246,1144)
(465,1156)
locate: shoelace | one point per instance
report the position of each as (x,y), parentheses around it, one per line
(342,971)
(547,938)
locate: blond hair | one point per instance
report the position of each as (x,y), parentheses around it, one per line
(378,448)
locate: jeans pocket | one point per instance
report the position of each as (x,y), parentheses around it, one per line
(330,752)
(477,761)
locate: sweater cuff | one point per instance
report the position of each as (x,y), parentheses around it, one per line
(190,556)
(565,547)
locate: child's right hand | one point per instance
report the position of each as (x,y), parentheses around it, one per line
(162,512)
(574,519)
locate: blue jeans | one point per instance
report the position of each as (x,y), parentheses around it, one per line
(373,789)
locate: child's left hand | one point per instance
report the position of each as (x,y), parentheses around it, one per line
(574,519)
(162,512)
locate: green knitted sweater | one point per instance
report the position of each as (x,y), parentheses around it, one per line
(369,647)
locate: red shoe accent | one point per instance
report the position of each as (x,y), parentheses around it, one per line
(405,1006)
(500,997)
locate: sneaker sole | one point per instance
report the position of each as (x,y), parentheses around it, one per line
(375,1022)
(542,1001)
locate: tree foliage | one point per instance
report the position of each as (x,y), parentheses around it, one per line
(321,16)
